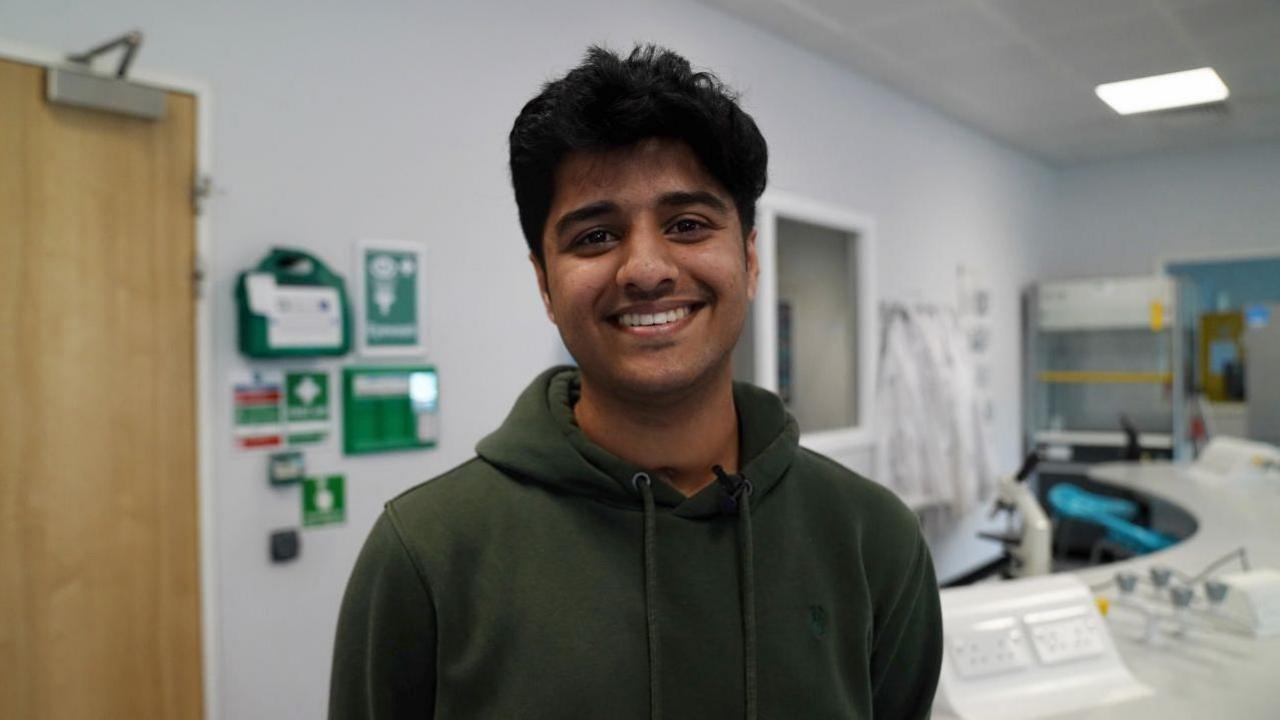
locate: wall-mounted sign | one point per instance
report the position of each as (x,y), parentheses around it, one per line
(307,406)
(286,468)
(389,408)
(256,411)
(391,287)
(324,500)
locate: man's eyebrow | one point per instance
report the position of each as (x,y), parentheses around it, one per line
(692,197)
(586,212)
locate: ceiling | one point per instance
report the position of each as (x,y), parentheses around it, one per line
(1024,71)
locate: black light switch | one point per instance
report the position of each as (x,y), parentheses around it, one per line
(285,545)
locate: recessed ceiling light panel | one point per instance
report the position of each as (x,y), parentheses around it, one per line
(1161,92)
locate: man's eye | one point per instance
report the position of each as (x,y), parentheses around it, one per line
(595,237)
(687,225)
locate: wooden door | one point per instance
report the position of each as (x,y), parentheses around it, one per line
(99,565)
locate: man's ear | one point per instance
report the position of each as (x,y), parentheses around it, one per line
(753,265)
(542,286)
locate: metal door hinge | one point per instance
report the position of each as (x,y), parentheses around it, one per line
(201,189)
(197,278)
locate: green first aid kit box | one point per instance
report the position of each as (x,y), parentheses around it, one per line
(292,305)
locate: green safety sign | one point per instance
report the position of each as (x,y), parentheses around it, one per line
(308,396)
(391,298)
(388,408)
(324,500)
(391,288)
(307,406)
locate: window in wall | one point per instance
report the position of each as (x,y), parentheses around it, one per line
(810,334)
(817,325)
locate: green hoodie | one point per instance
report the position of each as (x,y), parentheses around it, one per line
(548,578)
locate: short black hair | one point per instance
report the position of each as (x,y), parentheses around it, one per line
(610,102)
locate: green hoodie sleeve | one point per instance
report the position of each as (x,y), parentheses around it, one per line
(384,655)
(907,653)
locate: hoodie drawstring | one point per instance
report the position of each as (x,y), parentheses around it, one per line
(644,484)
(739,489)
(746,559)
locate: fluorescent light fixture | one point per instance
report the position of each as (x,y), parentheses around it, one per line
(1161,92)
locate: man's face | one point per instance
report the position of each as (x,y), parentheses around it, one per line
(647,273)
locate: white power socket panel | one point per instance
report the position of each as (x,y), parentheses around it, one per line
(1066,640)
(990,652)
(1033,647)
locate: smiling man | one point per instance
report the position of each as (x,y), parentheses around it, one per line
(646,271)
(642,537)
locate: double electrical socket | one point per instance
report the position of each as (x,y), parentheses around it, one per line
(1071,639)
(1006,644)
(990,652)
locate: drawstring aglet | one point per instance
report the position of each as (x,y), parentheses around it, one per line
(733,485)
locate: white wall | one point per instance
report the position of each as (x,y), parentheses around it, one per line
(335,121)
(1117,218)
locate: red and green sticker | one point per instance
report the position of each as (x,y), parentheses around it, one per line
(256,413)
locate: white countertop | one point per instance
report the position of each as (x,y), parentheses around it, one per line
(1205,674)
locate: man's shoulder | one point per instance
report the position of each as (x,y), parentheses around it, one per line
(461,483)
(871,505)
(455,498)
(860,514)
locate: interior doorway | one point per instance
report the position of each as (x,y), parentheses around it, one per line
(100,553)
(1227,304)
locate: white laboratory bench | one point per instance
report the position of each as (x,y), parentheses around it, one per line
(1207,673)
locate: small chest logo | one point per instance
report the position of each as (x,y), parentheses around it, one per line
(818,621)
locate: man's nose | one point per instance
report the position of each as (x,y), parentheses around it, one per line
(648,267)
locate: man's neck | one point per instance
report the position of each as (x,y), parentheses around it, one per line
(682,438)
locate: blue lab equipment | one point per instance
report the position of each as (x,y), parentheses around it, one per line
(1113,514)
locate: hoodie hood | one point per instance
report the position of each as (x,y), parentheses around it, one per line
(540,442)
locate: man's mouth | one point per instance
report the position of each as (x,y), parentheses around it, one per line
(656,320)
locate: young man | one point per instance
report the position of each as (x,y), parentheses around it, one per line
(641,537)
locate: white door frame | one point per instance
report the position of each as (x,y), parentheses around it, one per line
(773,205)
(18,52)
(1210,256)
(1213,256)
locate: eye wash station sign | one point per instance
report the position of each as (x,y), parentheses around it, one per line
(390,280)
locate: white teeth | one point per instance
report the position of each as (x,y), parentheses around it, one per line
(642,319)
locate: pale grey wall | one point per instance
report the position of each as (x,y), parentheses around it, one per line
(1117,218)
(334,121)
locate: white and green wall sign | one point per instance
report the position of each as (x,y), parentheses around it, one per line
(307,415)
(275,408)
(391,287)
(324,500)
(256,420)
